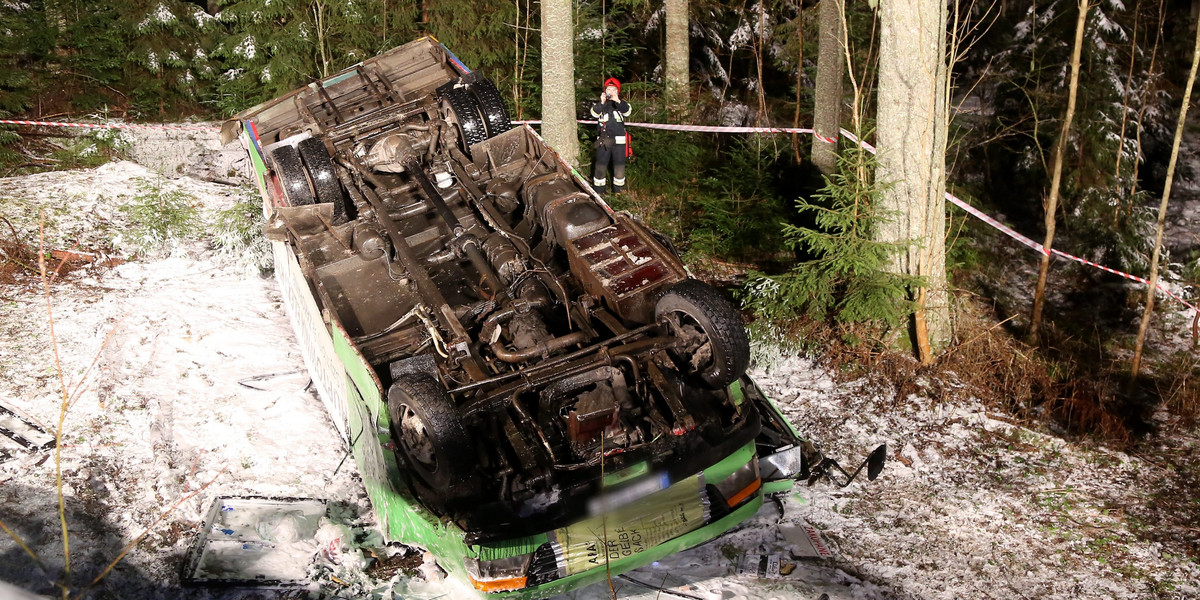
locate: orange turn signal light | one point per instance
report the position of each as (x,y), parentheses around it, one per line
(745,493)
(500,585)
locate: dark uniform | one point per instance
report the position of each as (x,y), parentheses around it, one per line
(610,147)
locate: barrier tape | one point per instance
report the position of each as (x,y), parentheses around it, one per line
(1034,245)
(111,125)
(971,210)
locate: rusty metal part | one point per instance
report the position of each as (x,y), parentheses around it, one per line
(529,424)
(542,349)
(420,277)
(625,266)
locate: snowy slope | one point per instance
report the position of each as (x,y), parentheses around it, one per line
(970,506)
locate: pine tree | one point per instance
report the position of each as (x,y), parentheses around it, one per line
(1107,224)
(848,280)
(14,83)
(166,53)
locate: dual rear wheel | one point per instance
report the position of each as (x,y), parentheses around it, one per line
(307,176)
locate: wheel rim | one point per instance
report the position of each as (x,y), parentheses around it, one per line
(692,346)
(414,439)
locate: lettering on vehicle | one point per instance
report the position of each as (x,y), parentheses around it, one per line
(633,528)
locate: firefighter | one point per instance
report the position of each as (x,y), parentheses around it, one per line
(610,113)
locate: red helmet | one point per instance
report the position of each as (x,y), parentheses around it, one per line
(613,82)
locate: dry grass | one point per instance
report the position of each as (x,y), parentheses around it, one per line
(987,361)
(19,258)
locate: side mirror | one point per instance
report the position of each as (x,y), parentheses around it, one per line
(876,461)
(828,467)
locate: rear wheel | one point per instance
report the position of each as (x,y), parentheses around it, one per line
(324,179)
(495,114)
(466,113)
(711,340)
(430,435)
(292,176)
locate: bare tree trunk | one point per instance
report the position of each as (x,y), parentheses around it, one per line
(758,64)
(827,109)
(1039,295)
(677,68)
(318,12)
(912,157)
(558,80)
(1162,209)
(799,22)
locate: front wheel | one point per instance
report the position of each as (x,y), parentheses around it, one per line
(711,340)
(429,433)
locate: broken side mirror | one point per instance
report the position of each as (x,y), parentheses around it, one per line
(831,470)
(804,461)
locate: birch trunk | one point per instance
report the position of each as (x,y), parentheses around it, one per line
(558,80)
(1162,209)
(827,109)
(1039,295)
(912,118)
(678,53)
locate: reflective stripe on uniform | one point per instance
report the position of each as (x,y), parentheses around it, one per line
(602,182)
(620,139)
(620,181)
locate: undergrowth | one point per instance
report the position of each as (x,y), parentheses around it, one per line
(237,231)
(846,279)
(160,216)
(23,155)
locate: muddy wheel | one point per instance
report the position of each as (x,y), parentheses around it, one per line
(711,340)
(429,433)
(324,179)
(292,176)
(466,112)
(495,114)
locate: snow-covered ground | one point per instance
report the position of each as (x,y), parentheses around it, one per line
(971,505)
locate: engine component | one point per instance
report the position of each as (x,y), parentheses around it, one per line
(504,257)
(593,412)
(369,243)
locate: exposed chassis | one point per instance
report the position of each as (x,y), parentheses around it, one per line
(506,355)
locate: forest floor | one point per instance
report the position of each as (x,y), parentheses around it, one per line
(974,503)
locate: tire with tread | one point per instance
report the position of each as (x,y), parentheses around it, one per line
(324,179)
(695,304)
(293,177)
(429,433)
(491,104)
(466,112)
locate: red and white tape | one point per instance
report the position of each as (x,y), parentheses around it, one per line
(971,210)
(110,125)
(1034,245)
